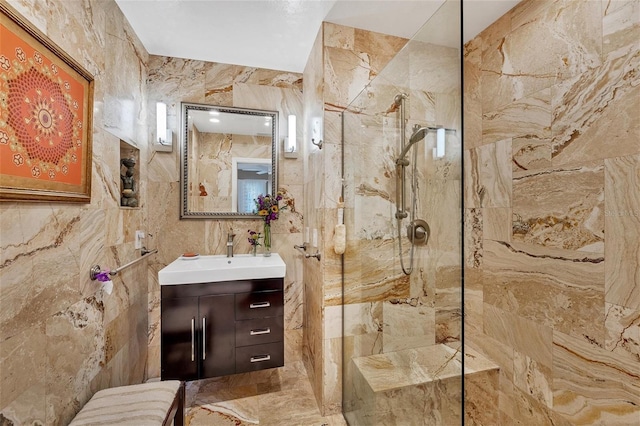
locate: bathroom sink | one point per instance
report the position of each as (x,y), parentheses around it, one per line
(216,268)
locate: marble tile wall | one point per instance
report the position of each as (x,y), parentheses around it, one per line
(552,209)
(62,338)
(342,62)
(173,81)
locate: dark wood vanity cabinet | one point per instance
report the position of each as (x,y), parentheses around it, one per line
(216,329)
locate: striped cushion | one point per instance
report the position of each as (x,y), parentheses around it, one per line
(140,405)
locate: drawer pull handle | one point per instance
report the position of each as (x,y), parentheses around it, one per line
(260,305)
(260,358)
(260,331)
(204,338)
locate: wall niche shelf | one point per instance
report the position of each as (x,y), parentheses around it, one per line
(129,176)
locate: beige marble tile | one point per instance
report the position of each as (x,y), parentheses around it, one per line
(473,238)
(448,304)
(22,371)
(407,325)
(183,79)
(497,352)
(293,345)
(504,81)
(496,224)
(523,409)
(495,32)
(622,220)
(50,248)
(381,48)
(533,378)
(495,175)
(555,288)
(67,377)
(472,105)
(338,36)
(557,218)
(481,398)
(597,108)
(569,48)
(622,330)
(530,154)
(339,91)
(238,412)
(472,300)
(592,385)
(433,68)
(528,116)
(523,335)
(620,27)
(472,189)
(332,370)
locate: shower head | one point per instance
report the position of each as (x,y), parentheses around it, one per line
(419,134)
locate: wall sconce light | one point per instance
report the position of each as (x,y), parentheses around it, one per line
(290,142)
(441,133)
(440,142)
(164,136)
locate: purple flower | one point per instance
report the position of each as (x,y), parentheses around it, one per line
(254,238)
(267,207)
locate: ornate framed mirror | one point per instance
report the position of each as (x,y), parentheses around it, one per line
(228,156)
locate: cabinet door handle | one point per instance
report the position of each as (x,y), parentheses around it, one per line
(260,358)
(204,338)
(193,339)
(260,305)
(260,331)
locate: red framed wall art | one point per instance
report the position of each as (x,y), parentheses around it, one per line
(46,103)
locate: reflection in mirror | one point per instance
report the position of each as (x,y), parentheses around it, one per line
(228,158)
(251,177)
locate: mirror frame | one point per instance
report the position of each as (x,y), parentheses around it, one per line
(184,157)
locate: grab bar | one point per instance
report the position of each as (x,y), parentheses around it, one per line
(95,269)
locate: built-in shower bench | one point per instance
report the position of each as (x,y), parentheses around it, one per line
(424,386)
(153,403)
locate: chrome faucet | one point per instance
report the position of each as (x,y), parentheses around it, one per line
(230,236)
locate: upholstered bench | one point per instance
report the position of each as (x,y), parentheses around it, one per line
(147,404)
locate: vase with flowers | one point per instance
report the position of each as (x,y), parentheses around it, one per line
(254,240)
(267,207)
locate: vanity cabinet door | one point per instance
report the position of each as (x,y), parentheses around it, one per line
(217,325)
(179,329)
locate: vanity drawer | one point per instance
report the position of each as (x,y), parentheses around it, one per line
(259,357)
(259,305)
(260,330)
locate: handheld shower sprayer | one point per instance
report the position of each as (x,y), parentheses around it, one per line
(419,133)
(418,230)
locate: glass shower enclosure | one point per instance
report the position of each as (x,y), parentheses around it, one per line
(402,355)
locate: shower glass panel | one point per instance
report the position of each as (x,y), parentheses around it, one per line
(402,333)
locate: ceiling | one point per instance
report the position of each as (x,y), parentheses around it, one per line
(279,34)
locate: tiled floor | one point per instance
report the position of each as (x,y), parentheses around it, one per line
(281,396)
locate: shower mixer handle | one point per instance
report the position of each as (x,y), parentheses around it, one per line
(418,231)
